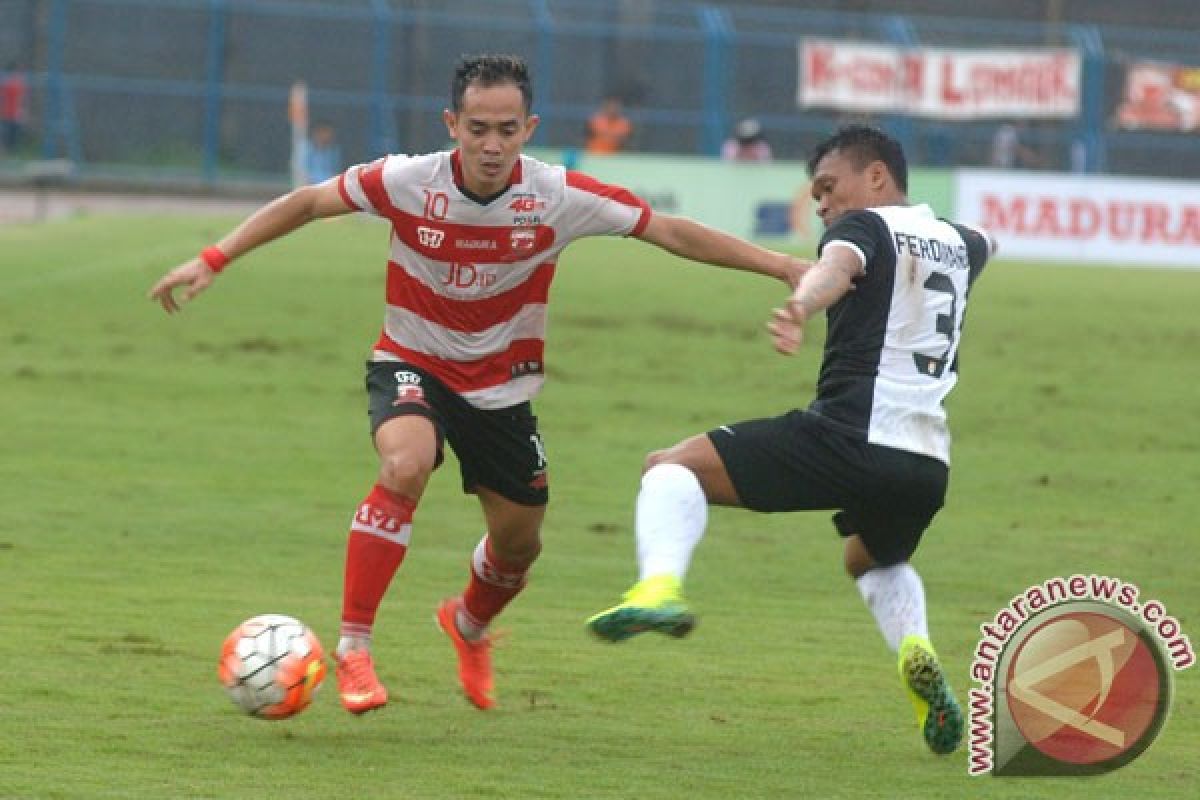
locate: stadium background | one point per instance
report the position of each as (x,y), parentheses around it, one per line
(195,90)
(156,490)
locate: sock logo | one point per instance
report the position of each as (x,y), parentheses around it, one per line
(373,517)
(1074,682)
(505,580)
(482,566)
(373,520)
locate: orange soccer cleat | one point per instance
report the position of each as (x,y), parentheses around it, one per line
(358,685)
(474,657)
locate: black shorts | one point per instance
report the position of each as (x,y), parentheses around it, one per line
(799,462)
(499,449)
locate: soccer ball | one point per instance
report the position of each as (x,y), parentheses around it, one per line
(271,665)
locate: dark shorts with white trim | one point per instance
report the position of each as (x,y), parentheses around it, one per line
(500,449)
(802,462)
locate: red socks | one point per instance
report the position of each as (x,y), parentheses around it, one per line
(492,586)
(376,547)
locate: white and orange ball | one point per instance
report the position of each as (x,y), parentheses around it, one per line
(271,665)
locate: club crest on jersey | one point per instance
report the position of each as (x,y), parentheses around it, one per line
(430,237)
(523,239)
(408,389)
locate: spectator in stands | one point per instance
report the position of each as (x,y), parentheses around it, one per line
(1009,151)
(1077,154)
(324,157)
(14,91)
(747,143)
(608,130)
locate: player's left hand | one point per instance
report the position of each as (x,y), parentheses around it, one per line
(787,328)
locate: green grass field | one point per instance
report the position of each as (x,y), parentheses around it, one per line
(164,478)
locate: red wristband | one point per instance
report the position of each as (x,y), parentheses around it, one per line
(214,258)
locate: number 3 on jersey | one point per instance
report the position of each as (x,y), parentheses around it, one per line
(943,296)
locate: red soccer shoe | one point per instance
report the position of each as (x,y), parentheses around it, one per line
(358,684)
(474,657)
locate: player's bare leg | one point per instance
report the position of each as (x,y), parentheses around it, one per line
(499,570)
(896,598)
(672,511)
(378,542)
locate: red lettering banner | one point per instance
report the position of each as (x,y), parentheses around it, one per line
(1084,218)
(941,83)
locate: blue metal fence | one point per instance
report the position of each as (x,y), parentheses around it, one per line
(198,88)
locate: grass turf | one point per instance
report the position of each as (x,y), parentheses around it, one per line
(163,479)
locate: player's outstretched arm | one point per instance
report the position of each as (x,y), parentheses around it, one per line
(822,286)
(697,242)
(277,218)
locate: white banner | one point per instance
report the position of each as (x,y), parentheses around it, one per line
(933,82)
(1094,219)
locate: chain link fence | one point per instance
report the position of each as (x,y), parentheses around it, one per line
(198,89)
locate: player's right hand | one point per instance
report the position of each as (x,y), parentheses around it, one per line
(787,328)
(193,274)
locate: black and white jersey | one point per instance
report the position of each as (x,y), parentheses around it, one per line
(892,343)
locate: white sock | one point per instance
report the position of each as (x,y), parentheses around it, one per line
(672,512)
(348,643)
(896,598)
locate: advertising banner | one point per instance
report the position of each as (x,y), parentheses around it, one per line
(1160,96)
(939,83)
(1090,219)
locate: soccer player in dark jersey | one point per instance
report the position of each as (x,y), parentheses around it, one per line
(893,280)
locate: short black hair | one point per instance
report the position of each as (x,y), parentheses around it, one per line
(863,144)
(491,70)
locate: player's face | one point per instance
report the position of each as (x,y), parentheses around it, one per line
(491,128)
(839,186)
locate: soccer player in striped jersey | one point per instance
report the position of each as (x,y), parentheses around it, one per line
(893,280)
(476,235)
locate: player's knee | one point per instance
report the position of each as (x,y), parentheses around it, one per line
(856,559)
(403,473)
(523,553)
(518,549)
(676,454)
(653,459)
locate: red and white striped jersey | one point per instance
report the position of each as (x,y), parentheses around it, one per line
(467,282)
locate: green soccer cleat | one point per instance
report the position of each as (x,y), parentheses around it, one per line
(653,604)
(938,714)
